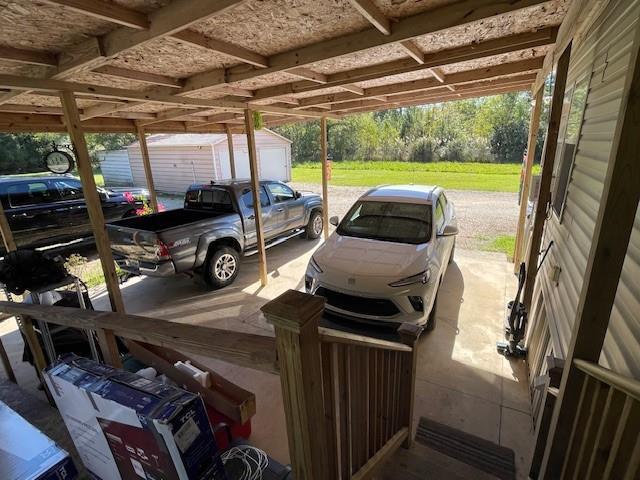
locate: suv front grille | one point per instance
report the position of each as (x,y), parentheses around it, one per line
(361,305)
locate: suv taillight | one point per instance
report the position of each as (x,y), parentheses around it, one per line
(162,251)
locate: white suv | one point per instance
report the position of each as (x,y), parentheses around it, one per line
(386,259)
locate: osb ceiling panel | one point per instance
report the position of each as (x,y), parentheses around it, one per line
(403,8)
(525,20)
(269,80)
(323,91)
(272,26)
(108,81)
(170,57)
(33,24)
(38,100)
(372,56)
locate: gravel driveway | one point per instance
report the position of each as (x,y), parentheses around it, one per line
(481,215)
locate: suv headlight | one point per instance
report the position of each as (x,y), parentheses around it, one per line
(422,277)
(315,265)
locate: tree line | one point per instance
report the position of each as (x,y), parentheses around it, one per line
(488,129)
(24,152)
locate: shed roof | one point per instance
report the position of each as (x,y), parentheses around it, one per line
(195,65)
(196,139)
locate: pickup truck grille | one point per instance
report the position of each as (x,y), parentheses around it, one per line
(360,305)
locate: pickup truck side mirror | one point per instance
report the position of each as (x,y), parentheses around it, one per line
(334,221)
(448,231)
(298,194)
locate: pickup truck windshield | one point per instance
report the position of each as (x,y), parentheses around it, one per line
(388,221)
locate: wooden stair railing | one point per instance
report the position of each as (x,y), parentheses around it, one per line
(605,439)
(348,398)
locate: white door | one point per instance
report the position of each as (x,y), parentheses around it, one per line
(241,161)
(273,163)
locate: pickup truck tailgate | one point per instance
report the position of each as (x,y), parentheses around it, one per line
(134,244)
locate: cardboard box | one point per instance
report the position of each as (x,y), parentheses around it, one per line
(126,427)
(28,454)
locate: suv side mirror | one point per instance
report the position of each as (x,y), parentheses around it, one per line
(448,231)
(298,194)
(334,221)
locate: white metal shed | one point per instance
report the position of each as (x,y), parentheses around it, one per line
(178,160)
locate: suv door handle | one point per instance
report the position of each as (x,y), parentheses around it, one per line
(251,217)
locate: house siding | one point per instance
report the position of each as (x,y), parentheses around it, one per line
(605,55)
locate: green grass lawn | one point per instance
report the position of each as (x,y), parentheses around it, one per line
(451,175)
(502,243)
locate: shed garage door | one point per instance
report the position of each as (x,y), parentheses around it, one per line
(272,161)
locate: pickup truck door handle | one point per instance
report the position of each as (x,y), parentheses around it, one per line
(280,210)
(251,217)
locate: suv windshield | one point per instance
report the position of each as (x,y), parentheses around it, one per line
(388,221)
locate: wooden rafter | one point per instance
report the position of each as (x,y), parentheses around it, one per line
(32,57)
(372,13)
(145,77)
(93,52)
(438,74)
(308,74)
(434,20)
(109,11)
(31,84)
(413,50)
(233,51)
(427,83)
(487,48)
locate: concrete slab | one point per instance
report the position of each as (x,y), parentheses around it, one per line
(461,380)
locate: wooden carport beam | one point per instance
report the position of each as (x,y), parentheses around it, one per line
(372,13)
(324,158)
(534,124)
(548,158)
(308,74)
(144,77)
(109,11)
(93,52)
(146,163)
(255,189)
(613,228)
(30,57)
(232,160)
(487,48)
(413,50)
(433,20)
(94,208)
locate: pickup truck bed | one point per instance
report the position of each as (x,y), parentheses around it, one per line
(169,219)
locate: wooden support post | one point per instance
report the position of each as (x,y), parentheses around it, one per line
(6,363)
(255,189)
(5,230)
(325,176)
(614,224)
(232,160)
(146,163)
(96,216)
(295,317)
(409,335)
(547,173)
(534,124)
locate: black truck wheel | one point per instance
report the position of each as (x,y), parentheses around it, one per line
(221,267)
(315,225)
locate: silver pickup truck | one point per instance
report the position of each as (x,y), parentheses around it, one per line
(215,227)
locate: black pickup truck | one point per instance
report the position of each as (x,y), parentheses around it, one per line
(49,210)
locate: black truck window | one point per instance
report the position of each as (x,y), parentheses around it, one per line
(30,193)
(216,199)
(247,198)
(69,189)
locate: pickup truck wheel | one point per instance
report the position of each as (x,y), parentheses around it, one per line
(315,225)
(221,268)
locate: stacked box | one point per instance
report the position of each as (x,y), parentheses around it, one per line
(28,454)
(125,426)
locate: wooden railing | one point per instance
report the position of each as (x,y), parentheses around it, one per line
(348,399)
(604,441)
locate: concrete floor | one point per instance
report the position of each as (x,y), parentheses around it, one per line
(461,380)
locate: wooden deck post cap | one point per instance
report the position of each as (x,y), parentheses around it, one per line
(293,310)
(409,333)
